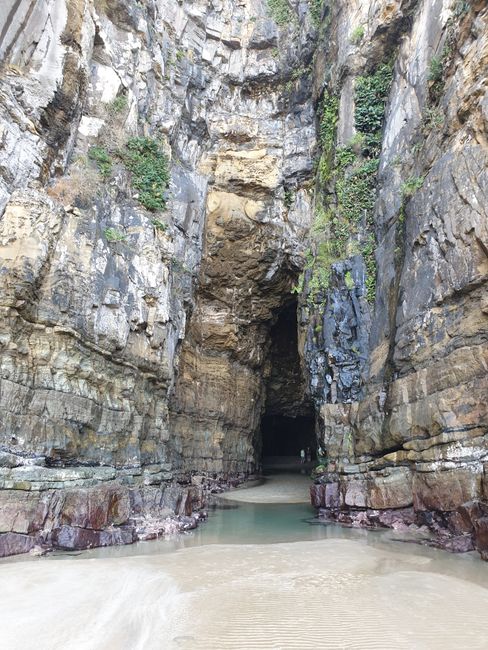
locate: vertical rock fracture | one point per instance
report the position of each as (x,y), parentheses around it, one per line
(181,181)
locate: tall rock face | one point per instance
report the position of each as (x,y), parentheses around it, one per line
(259,168)
(403,412)
(95,287)
(178,179)
(101,261)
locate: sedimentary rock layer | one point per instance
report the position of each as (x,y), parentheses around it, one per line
(415,435)
(161,191)
(99,285)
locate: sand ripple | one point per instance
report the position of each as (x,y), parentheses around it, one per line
(324,594)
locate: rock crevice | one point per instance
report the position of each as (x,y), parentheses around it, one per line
(324,177)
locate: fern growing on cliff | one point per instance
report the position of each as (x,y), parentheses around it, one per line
(280,12)
(150,173)
(371,93)
(327,129)
(347,188)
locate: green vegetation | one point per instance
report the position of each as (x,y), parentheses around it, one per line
(356,192)
(371,94)
(435,75)
(327,129)
(412,185)
(357,35)
(417,148)
(114,235)
(432,118)
(298,287)
(318,471)
(320,264)
(435,69)
(148,164)
(288,198)
(356,173)
(118,105)
(150,174)
(316,9)
(280,12)
(102,159)
(159,225)
(328,121)
(346,191)
(298,73)
(349,280)
(344,157)
(322,221)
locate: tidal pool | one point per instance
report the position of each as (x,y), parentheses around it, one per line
(256,575)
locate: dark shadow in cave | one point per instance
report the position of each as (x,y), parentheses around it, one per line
(288,422)
(283,437)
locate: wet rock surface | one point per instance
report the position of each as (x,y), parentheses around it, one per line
(136,344)
(411,433)
(115,512)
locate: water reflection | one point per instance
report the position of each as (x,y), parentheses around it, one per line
(257,523)
(255,575)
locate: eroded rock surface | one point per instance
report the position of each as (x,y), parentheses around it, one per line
(136,343)
(414,433)
(98,292)
(65,514)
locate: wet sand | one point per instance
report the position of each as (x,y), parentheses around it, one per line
(326,594)
(279,488)
(330,593)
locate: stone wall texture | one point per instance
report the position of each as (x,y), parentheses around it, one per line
(135,345)
(414,436)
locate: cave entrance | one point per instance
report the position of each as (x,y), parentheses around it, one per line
(288,421)
(283,437)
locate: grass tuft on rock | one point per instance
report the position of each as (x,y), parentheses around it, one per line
(102,159)
(150,173)
(280,12)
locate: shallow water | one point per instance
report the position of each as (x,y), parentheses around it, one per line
(257,575)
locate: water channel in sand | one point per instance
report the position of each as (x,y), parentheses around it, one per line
(259,574)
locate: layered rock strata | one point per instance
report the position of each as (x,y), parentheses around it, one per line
(80,508)
(139,345)
(410,443)
(97,289)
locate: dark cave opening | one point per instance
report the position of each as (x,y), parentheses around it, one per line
(288,421)
(284,436)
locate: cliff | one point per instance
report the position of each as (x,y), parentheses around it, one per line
(177,180)
(403,340)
